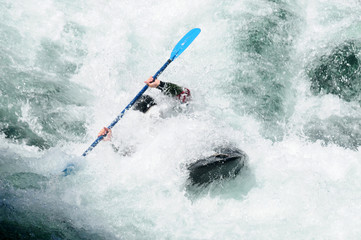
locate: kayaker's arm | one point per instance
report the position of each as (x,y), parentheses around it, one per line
(170,89)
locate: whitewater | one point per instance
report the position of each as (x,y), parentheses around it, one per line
(278,79)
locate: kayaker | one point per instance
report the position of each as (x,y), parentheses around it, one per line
(145,102)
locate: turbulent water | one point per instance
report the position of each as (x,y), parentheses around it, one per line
(280,80)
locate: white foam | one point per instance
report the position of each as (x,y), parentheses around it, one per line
(300,190)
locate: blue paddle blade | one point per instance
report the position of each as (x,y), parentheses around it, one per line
(184,43)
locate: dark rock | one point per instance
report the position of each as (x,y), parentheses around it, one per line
(339,73)
(225,164)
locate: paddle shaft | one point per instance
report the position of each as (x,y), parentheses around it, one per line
(100,138)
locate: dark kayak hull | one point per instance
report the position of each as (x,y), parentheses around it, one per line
(225,164)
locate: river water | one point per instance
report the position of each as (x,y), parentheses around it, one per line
(280,80)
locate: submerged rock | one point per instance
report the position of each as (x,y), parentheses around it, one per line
(264,45)
(225,164)
(342,131)
(27,180)
(31,221)
(339,73)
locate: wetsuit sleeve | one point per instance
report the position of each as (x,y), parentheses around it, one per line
(173,90)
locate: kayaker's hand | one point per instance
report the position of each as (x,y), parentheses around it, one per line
(152,84)
(107,133)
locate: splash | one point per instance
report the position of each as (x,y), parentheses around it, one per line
(276,79)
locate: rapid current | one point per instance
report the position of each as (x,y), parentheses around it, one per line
(280,80)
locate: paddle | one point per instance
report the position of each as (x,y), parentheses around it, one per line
(177,50)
